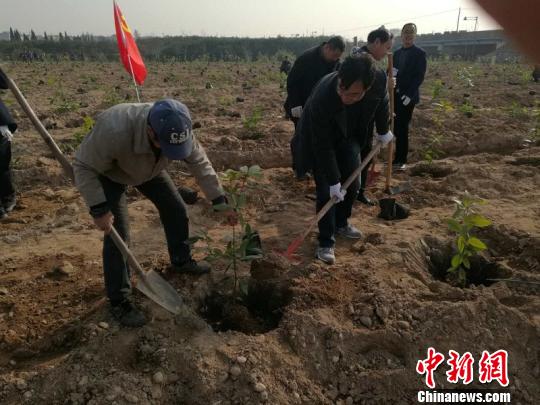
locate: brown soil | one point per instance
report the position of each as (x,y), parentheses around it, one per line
(305,333)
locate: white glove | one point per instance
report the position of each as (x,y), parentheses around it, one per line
(394,72)
(385,139)
(4,131)
(394,82)
(336,191)
(405,100)
(296,112)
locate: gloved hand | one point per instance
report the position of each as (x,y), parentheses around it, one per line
(336,191)
(385,138)
(394,72)
(405,100)
(394,82)
(5,132)
(296,112)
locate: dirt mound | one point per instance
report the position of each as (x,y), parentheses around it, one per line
(294,333)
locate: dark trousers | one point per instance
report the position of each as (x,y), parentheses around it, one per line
(401,130)
(363,177)
(6,183)
(292,143)
(347,155)
(173,214)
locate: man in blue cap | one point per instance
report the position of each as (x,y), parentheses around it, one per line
(132,144)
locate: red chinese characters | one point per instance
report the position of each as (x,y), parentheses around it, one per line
(491,367)
(461,368)
(429,365)
(494,367)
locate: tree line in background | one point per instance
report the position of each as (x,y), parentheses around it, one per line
(179,48)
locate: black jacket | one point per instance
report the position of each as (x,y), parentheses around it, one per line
(411,64)
(321,128)
(3,82)
(307,70)
(5,116)
(372,111)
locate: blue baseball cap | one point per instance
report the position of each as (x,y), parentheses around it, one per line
(171,122)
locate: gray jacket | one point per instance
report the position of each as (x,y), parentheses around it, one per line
(118,148)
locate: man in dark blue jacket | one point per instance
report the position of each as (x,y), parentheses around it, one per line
(328,141)
(410,65)
(7,127)
(379,43)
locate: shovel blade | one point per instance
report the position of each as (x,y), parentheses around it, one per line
(293,247)
(160,291)
(400,188)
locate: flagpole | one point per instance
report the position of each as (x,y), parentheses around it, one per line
(133,77)
(130,66)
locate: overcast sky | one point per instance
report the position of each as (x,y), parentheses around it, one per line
(253,18)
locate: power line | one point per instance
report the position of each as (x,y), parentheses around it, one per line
(395,21)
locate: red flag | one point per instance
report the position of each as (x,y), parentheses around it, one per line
(131,58)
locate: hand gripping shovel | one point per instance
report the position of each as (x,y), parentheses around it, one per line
(149,283)
(295,244)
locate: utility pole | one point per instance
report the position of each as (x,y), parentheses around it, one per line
(475,19)
(458,18)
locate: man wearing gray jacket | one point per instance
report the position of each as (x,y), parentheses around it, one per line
(132,144)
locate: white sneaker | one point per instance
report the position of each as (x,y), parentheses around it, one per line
(349,231)
(326,254)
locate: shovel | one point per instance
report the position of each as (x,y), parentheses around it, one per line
(373,174)
(392,190)
(149,283)
(400,188)
(390,156)
(295,244)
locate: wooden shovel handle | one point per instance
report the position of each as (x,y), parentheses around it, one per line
(390,84)
(38,125)
(120,244)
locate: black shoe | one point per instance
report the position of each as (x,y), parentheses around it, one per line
(364,199)
(128,314)
(3,213)
(192,267)
(9,202)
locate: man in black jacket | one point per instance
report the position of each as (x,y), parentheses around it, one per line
(328,142)
(7,127)
(379,43)
(307,70)
(410,65)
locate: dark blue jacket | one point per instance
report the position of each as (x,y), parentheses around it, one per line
(412,64)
